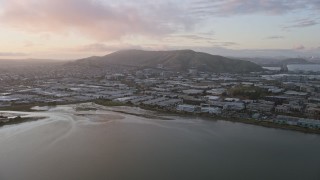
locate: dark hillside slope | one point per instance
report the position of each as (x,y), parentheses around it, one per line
(180,60)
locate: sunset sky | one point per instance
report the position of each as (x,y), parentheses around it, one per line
(70,29)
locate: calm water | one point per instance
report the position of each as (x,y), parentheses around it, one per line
(298,67)
(117,146)
(304,67)
(273,68)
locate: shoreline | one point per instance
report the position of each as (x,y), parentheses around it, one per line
(260,123)
(19,121)
(266,124)
(161,113)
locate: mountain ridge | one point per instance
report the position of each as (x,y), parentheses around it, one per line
(178,60)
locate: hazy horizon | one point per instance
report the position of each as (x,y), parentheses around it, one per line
(73,29)
(226,53)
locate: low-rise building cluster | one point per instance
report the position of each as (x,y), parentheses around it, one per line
(291,99)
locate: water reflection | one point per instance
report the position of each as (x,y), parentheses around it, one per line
(102,144)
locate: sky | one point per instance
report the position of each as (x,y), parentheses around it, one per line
(72,29)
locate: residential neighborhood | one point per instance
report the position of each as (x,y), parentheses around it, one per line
(273,96)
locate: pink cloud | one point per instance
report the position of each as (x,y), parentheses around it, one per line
(299,47)
(101,47)
(87,17)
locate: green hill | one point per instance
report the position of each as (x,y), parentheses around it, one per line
(180,60)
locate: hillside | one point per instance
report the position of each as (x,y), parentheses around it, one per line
(180,60)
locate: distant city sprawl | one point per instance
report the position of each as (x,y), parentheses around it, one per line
(269,98)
